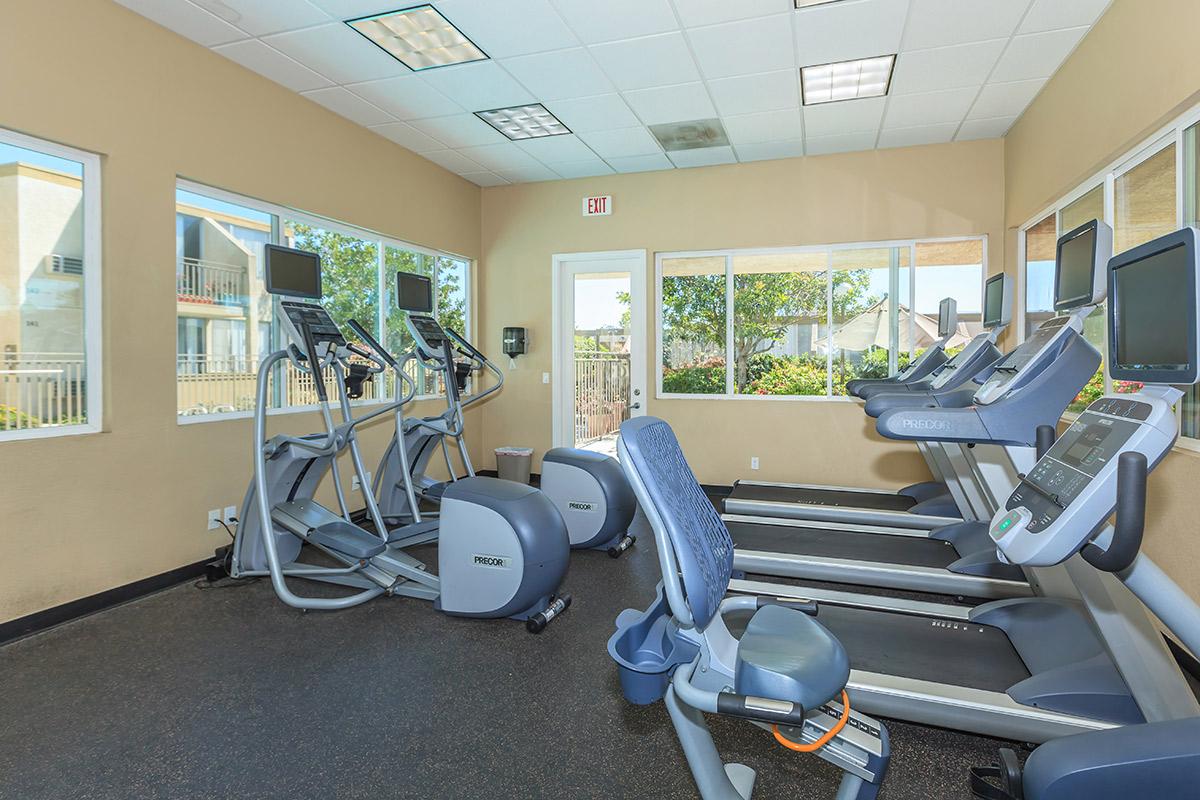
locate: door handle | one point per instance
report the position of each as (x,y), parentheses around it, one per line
(633,407)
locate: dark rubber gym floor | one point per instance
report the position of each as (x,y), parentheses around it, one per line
(226,692)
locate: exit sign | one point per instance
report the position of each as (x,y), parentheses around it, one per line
(597,206)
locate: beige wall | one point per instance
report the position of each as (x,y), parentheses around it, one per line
(86,513)
(1130,76)
(945,190)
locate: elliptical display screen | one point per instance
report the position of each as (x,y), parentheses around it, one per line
(291,272)
(1154,312)
(1075,277)
(944,328)
(993,302)
(414,293)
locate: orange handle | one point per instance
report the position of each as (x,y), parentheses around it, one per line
(824,740)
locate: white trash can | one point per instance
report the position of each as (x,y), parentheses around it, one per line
(514,463)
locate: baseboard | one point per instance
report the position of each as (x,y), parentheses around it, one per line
(535,479)
(43,620)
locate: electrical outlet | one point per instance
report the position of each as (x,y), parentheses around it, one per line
(354,484)
(753,462)
(214,519)
(230,515)
(545,377)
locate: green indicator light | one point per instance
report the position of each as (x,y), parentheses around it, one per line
(1006,523)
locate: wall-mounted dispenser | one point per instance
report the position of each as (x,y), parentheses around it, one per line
(516,343)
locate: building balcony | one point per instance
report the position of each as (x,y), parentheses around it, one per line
(212,284)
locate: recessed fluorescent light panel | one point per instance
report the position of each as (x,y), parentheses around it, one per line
(807,3)
(693,135)
(419,38)
(524,122)
(847,80)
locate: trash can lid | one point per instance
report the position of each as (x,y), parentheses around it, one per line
(514,451)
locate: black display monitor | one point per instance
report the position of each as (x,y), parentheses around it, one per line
(1079,263)
(414,293)
(291,272)
(946,321)
(993,301)
(1153,299)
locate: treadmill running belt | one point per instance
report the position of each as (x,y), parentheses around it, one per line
(873,547)
(877,501)
(921,648)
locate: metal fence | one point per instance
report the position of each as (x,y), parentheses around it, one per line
(220,384)
(42,389)
(601,394)
(210,283)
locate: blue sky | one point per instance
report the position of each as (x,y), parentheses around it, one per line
(10,153)
(220,206)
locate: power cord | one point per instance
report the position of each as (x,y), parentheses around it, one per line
(228,582)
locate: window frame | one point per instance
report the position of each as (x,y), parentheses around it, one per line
(829,249)
(1172,133)
(93,301)
(281,214)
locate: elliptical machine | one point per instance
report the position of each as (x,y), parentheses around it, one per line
(503,547)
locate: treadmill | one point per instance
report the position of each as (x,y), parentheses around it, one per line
(1029,669)
(921,506)
(1029,388)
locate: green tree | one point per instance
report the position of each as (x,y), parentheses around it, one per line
(348,272)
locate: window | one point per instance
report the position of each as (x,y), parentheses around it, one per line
(49,289)
(1040,242)
(226,320)
(1095,327)
(1189,409)
(803,323)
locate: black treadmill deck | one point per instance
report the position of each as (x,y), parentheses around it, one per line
(921,648)
(876,548)
(877,501)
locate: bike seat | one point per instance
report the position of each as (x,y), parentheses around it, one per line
(787,655)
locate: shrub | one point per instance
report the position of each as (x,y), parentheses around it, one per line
(12,419)
(790,376)
(706,377)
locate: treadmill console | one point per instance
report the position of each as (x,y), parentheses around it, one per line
(946,372)
(1072,490)
(1013,366)
(324,329)
(428,334)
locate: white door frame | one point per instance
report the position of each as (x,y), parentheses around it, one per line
(635,263)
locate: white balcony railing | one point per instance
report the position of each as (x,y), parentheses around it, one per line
(221,384)
(39,390)
(601,394)
(210,283)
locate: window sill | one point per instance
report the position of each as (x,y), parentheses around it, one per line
(787,398)
(198,419)
(51,432)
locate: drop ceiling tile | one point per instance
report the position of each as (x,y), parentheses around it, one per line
(846,31)
(271,63)
(607,21)
(479,86)
(839,143)
(510,27)
(914,110)
(338,53)
(703,157)
(622,143)
(453,161)
(762,44)
(1036,55)
(582,169)
(1049,15)
(485,178)
(408,136)
(852,116)
(769,126)
(641,163)
(1005,99)
(769,151)
(353,9)
(945,67)
(923,134)
(556,150)
(460,130)
(530,174)
(749,94)
(936,23)
(563,73)
(187,20)
(710,12)
(601,113)
(350,106)
(660,60)
(261,17)
(984,128)
(497,157)
(406,97)
(671,103)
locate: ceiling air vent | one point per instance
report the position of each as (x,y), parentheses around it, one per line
(691,135)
